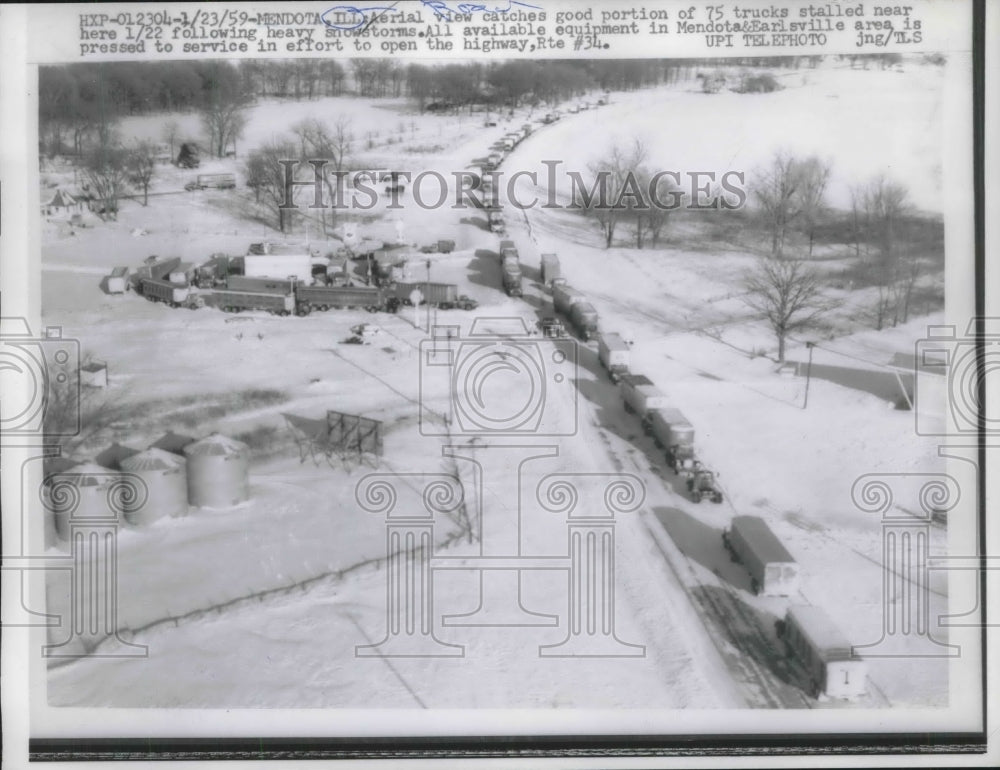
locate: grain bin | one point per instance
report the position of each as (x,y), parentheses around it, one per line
(217,472)
(165,476)
(85,491)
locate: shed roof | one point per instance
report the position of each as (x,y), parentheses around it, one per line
(172,442)
(113,455)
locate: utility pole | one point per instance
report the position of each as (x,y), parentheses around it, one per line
(809,346)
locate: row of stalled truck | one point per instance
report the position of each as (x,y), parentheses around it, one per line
(808,634)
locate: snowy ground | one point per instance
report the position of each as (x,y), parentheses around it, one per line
(288,554)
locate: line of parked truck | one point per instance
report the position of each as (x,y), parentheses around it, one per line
(215,284)
(808,634)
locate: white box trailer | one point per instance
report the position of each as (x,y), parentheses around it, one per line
(118,281)
(613,353)
(640,394)
(827,656)
(773,571)
(550,268)
(295,266)
(670,428)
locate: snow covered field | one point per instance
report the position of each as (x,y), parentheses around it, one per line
(263,605)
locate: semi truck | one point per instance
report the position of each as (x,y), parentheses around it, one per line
(212,181)
(154,268)
(442,295)
(564,297)
(583,316)
(512,278)
(507,250)
(550,268)
(212,273)
(496,222)
(640,394)
(612,351)
(827,657)
(773,571)
(672,432)
(163,291)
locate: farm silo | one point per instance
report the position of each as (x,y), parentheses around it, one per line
(217,472)
(85,491)
(165,475)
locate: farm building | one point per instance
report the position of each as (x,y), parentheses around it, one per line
(217,472)
(165,476)
(112,457)
(61,202)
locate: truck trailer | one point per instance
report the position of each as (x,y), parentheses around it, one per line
(442,295)
(170,293)
(118,282)
(564,297)
(327,297)
(773,571)
(583,317)
(550,268)
(231,301)
(212,181)
(828,658)
(640,395)
(612,351)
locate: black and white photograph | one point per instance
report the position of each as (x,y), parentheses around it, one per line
(455,369)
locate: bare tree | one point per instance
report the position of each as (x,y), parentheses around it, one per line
(814,176)
(141,162)
(171,132)
(268,175)
(660,197)
(107,173)
(329,143)
(223,114)
(787,190)
(787,292)
(615,188)
(883,203)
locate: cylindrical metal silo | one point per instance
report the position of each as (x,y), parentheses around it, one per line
(217,472)
(85,491)
(165,475)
